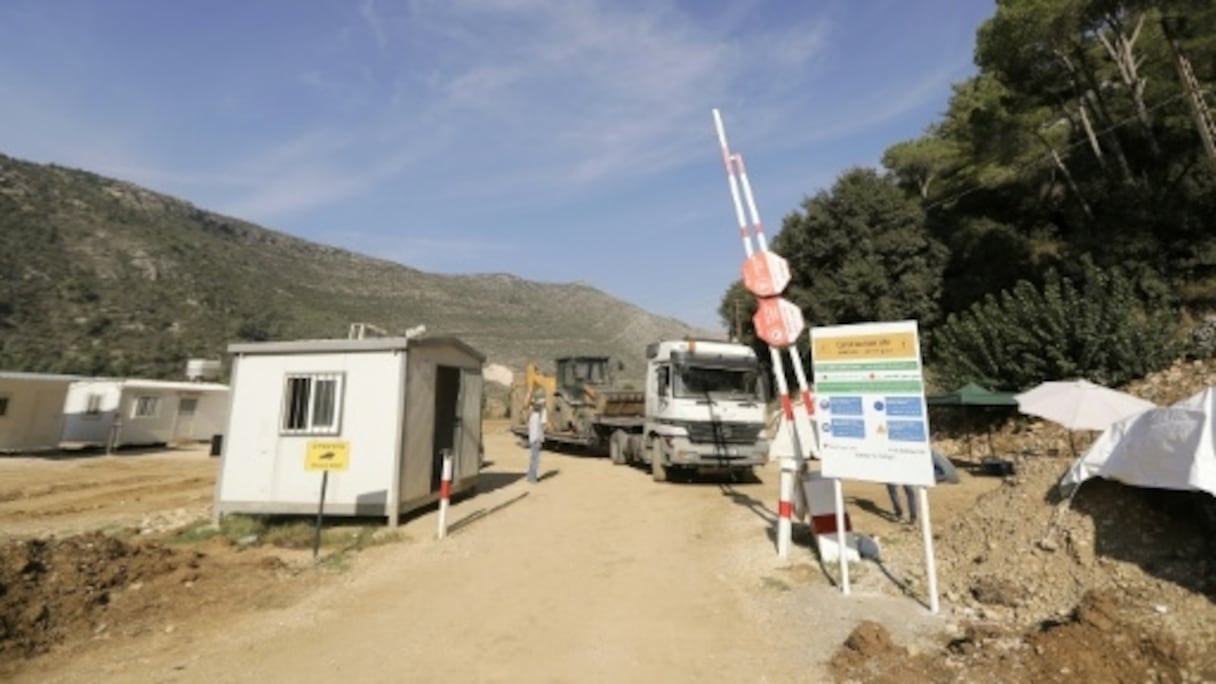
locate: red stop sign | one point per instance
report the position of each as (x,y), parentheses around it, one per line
(766,274)
(778,321)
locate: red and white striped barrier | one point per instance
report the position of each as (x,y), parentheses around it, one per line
(785,507)
(821,497)
(445,493)
(777,321)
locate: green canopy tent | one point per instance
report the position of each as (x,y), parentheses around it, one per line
(972,394)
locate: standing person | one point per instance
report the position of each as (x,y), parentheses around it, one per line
(536,437)
(910,493)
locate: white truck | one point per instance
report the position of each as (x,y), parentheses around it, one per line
(704,411)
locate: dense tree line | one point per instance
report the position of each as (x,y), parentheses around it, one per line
(1067,187)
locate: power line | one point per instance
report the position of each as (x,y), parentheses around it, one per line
(1047,157)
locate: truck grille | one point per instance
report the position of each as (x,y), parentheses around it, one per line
(724,433)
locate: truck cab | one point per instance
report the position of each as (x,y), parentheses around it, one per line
(705,408)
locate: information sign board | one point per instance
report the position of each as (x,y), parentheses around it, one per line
(869,385)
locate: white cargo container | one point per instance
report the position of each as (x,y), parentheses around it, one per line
(133,412)
(31,410)
(395,403)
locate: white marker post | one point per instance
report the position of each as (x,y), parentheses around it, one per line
(785,508)
(841,537)
(926,531)
(445,493)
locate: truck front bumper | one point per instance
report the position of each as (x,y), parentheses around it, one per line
(700,455)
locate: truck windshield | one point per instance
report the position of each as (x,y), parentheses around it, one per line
(695,381)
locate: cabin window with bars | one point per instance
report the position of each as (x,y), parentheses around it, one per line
(145,407)
(312,404)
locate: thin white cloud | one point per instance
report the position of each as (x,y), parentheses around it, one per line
(156,177)
(880,108)
(798,45)
(367,11)
(293,193)
(518,101)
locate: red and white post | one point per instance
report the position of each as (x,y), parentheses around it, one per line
(778,322)
(785,507)
(445,493)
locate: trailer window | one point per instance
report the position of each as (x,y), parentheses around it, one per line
(693,381)
(93,405)
(3,406)
(312,404)
(145,407)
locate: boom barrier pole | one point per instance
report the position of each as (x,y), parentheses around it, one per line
(766,276)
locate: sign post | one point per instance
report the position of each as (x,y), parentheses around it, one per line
(324,456)
(873,422)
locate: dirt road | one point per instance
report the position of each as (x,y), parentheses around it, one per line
(594,574)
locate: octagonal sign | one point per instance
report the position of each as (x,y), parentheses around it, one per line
(766,274)
(778,321)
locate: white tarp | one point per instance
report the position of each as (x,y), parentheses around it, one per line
(1166,448)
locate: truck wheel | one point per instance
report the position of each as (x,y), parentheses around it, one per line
(657,470)
(616,447)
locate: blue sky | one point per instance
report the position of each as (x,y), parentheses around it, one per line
(563,140)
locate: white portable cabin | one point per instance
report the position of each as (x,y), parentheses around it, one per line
(396,403)
(114,412)
(31,410)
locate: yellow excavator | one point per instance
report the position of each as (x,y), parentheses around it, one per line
(582,404)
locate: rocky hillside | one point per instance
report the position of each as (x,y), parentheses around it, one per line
(102,276)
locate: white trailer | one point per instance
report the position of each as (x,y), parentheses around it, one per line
(134,412)
(393,405)
(31,410)
(704,411)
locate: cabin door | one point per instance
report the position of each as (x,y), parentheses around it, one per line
(447,419)
(468,459)
(183,426)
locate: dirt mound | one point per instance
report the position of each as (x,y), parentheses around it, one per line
(870,655)
(1101,641)
(1113,568)
(1022,558)
(870,639)
(56,589)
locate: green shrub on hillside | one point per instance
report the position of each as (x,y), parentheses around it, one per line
(1095,327)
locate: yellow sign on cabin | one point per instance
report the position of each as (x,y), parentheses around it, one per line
(327,455)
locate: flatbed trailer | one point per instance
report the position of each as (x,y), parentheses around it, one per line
(604,427)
